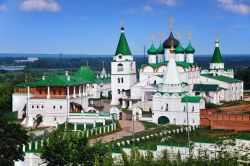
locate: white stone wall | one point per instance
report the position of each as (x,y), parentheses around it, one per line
(175,112)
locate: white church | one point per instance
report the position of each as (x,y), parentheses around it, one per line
(171,84)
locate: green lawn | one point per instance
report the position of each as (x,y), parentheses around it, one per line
(149,125)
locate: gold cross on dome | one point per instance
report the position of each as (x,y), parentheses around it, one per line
(171,22)
(179,35)
(217,36)
(153,37)
(160,35)
(189,35)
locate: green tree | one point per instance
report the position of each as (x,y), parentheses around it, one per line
(12,137)
(65,148)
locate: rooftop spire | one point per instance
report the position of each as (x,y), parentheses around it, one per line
(171,75)
(123,47)
(171,22)
(217,40)
(160,36)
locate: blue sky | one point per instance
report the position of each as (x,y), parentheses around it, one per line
(93,26)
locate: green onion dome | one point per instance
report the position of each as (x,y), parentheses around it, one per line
(190,49)
(152,50)
(160,49)
(179,49)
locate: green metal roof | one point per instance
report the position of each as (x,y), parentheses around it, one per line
(205,87)
(182,64)
(190,49)
(221,78)
(160,49)
(123,47)
(86,73)
(191,99)
(217,58)
(179,49)
(152,50)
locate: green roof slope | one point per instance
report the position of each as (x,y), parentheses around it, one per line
(86,73)
(222,78)
(217,58)
(205,87)
(191,99)
(123,47)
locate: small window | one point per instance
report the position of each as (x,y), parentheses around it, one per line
(119,91)
(184,109)
(118,80)
(32,106)
(60,107)
(54,107)
(42,106)
(154,81)
(120,67)
(193,108)
(193,120)
(54,118)
(166,109)
(37,106)
(121,80)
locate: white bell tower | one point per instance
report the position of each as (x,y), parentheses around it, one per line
(123,71)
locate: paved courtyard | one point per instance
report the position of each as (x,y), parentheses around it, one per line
(127,130)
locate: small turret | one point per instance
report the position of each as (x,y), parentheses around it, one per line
(217,62)
(160,51)
(189,51)
(152,51)
(179,51)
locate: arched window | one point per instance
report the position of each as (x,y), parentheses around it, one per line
(120,67)
(131,67)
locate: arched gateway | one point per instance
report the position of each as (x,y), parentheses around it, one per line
(163,120)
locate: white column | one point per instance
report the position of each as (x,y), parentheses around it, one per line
(29,146)
(123,104)
(28,89)
(130,106)
(48,93)
(36,145)
(84,125)
(23,148)
(74,92)
(75,126)
(79,91)
(94,124)
(67,92)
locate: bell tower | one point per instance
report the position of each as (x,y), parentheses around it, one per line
(123,71)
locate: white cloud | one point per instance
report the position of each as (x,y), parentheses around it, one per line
(40,5)
(231,5)
(3,8)
(170,3)
(147,9)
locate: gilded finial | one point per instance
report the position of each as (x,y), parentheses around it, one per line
(189,35)
(152,37)
(179,35)
(160,35)
(217,36)
(171,22)
(103,64)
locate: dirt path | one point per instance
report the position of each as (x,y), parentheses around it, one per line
(127,130)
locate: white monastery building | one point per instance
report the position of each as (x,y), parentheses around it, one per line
(171,83)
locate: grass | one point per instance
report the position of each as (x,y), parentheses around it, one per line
(199,135)
(149,125)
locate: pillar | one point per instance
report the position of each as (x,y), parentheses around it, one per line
(94,124)
(28,89)
(48,93)
(130,106)
(23,148)
(67,92)
(30,146)
(75,126)
(124,104)
(36,145)
(84,125)
(79,91)
(104,129)
(74,92)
